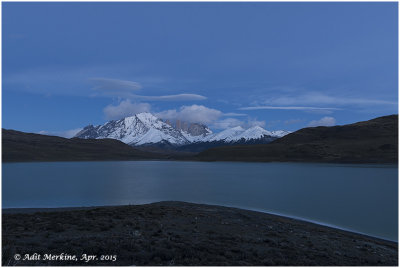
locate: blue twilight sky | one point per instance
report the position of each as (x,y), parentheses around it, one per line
(277,65)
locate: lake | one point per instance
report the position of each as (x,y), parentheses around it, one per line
(361,198)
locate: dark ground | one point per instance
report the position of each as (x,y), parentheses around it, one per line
(177,233)
(19,146)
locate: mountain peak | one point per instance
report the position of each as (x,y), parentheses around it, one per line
(142,128)
(256,128)
(146,117)
(238,128)
(192,129)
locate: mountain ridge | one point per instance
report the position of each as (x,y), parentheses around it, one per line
(372,141)
(145,129)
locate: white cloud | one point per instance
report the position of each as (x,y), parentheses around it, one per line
(176,97)
(317,98)
(125,89)
(114,87)
(325,121)
(285,108)
(233,122)
(65,134)
(83,82)
(227,123)
(56,80)
(321,112)
(194,113)
(125,108)
(101,83)
(233,114)
(253,123)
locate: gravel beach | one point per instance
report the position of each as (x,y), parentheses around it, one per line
(179,233)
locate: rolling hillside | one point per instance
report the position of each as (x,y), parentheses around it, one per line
(373,141)
(19,146)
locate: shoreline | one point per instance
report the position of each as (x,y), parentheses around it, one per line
(317,223)
(181,233)
(394,164)
(305,220)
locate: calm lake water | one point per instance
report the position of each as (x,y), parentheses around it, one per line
(362,198)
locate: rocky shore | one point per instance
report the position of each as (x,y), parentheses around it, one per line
(178,233)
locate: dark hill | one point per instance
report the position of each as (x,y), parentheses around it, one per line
(373,141)
(19,146)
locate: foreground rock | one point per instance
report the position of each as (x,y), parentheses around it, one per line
(177,233)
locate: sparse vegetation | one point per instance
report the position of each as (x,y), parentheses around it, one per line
(177,233)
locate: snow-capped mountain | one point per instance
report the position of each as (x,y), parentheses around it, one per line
(194,129)
(233,136)
(280,133)
(193,132)
(227,135)
(238,133)
(140,129)
(146,129)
